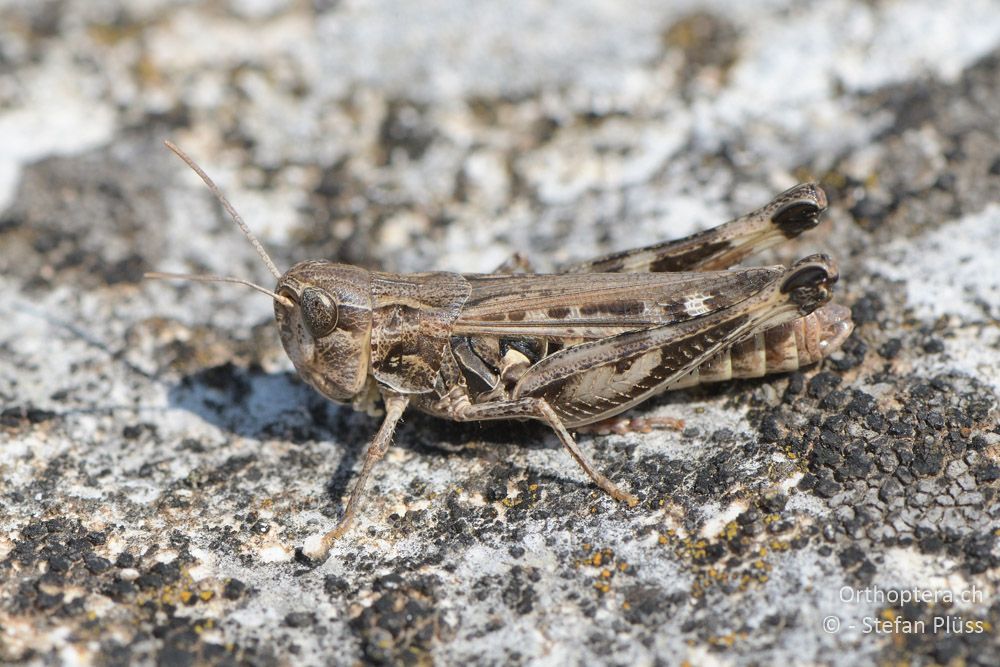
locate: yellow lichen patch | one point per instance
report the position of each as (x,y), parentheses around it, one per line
(789,453)
(707,579)
(835,179)
(779,545)
(693,549)
(605,566)
(727,640)
(207,624)
(112,34)
(804,174)
(731,531)
(147,71)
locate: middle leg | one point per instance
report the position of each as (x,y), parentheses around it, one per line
(537,408)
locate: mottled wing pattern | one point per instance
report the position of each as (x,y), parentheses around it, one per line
(786,216)
(773,351)
(600,378)
(601,304)
(611,375)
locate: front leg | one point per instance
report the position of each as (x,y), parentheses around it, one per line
(537,408)
(395,404)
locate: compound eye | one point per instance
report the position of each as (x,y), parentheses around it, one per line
(319,311)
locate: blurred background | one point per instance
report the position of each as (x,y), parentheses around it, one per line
(160,462)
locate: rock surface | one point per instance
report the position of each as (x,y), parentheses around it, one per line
(160,462)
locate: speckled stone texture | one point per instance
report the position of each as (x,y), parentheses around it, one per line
(160,462)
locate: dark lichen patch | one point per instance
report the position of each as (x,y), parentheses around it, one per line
(404,621)
(944,632)
(895,202)
(346,213)
(339,229)
(18,417)
(518,591)
(658,479)
(651,605)
(65,577)
(108,242)
(710,46)
(741,556)
(903,454)
(404,132)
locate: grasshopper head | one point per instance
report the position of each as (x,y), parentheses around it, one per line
(324,311)
(325,322)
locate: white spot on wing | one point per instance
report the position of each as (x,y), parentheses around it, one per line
(696,305)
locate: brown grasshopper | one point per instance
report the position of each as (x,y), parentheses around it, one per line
(569,349)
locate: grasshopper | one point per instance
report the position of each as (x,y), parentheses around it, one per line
(569,349)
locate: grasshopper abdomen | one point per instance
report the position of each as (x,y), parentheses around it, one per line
(781,349)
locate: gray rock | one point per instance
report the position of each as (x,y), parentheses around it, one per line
(161,463)
(956,469)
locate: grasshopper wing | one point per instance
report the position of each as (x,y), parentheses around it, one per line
(600,378)
(786,216)
(594,306)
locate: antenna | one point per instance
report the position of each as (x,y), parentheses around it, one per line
(209,278)
(231,211)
